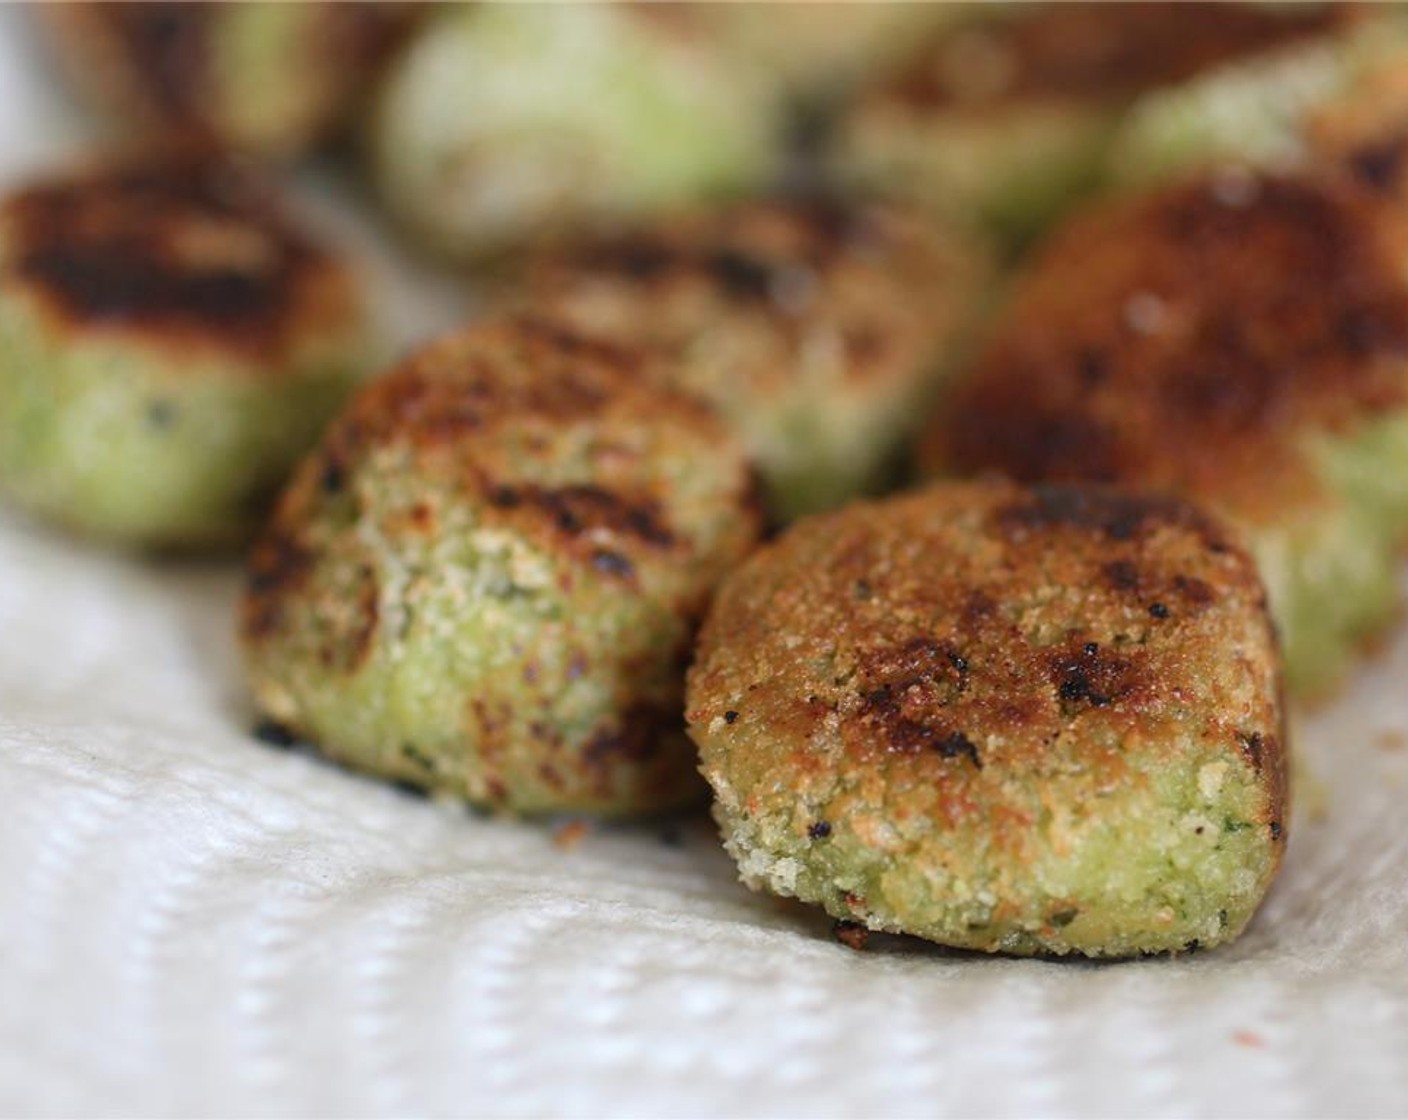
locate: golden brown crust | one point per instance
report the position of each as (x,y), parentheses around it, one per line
(489,378)
(179,249)
(1187,340)
(887,282)
(970,626)
(1095,52)
(472,410)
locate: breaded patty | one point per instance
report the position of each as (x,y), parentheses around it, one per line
(504,122)
(819,48)
(1010,115)
(1240,339)
(487,579)
(256,76)
(170,343)
(818,330)
(1275,109)
(1013,720)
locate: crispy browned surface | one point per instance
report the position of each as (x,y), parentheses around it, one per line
(487,578)
(183,249)
(1187,340)
(953,635)
(472,409)
(1095,52)
(890,285)
(154,62)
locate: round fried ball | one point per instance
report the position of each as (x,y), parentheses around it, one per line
(509,121)
(257,76)
(170,344)
(487,579)
(1010,116)
(1241,339)
(1015,720)
(818,330)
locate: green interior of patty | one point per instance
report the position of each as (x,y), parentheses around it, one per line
(1331,573)
(467,658)
(122,440)
(1175,856)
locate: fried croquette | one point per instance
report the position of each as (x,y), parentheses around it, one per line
(819,330)
(487,579)
(1029,721)
(170,344)
(1238,338)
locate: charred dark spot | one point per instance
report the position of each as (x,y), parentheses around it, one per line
(190,246)
(1191,946)
(730,716)
(636,258)
(1158,610)
(1253,747)
(1379,165)
(278,564)
(551,776)
(496,791)
(1275,829)
(853,935)
(274,733)
(1122,575)
(819,830)
(634,737)
(958,745)
(410,789)
(740,275)
(997,425)
(921,660)
(1091,677)
(1117,515)
(577,509)
(862,590)
(979,606)
(1194,591)
(1062,918)
(613,564)
(909,735)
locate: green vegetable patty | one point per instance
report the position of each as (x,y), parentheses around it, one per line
(819,330)
(1013,720)
(170,344)
(1238,338)
(487,579)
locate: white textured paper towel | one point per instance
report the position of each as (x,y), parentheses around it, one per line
(193,922)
